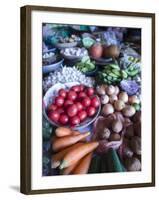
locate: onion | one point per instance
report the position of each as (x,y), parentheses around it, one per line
(110,90)
(101,89)
(134,99)
(107,109)
(116,90)
(104,99)
(113,98)
(123,96)
(119,105)
(129,111)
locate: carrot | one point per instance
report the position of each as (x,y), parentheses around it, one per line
(76,154)
(63,131)
(83,165)
(75,133)
(63,142)
(56,158)
(69,169)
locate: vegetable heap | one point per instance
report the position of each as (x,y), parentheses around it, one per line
(85,65)
(113,74)
(73,106)
(72,153)
(95,125)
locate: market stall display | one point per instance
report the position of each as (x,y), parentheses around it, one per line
(91,100)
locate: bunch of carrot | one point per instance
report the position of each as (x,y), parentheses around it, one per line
(72,153)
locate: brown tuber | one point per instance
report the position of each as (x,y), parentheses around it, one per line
(117,126)
(133,164)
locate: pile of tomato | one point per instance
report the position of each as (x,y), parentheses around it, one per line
(73,106)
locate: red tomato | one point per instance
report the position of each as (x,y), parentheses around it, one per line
(74,120)
(82,95)
(63,119)
(59,101)
(52,107)
(81,88)
(54,116)
(62,93)
(95,102)
(79,106)
(82,115)
(90,91)
(68,103)
(71,95)
(86,102)
(91,111)
(60,110)
(76,88)
(72,110)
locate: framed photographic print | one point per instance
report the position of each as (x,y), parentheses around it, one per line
(87,99)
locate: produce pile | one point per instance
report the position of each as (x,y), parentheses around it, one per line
(91,100)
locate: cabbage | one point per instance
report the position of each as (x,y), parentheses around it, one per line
(131,87)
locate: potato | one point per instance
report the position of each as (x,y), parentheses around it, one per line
(114,137)
(137,117)
(127,152)
(129,131)
(117,126)
(133,164)
(128,111)
(105,134)
(137,129)
(135,144)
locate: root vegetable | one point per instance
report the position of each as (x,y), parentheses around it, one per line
(107,109)
(76,154)
(83,166)
(63,142)
(127,152)
(63,131)
(69,169)
(75,133)
(116,90)
(129,131)
(137,117)
(117,126)
(123,96)
(128,111)
(101,90)
(110,90)
(113,98)
(134,99)
(119,105)
(135,144)
(137,128)
(104,99)
(105,134)
(114,137)
(56,158)
(133,164)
